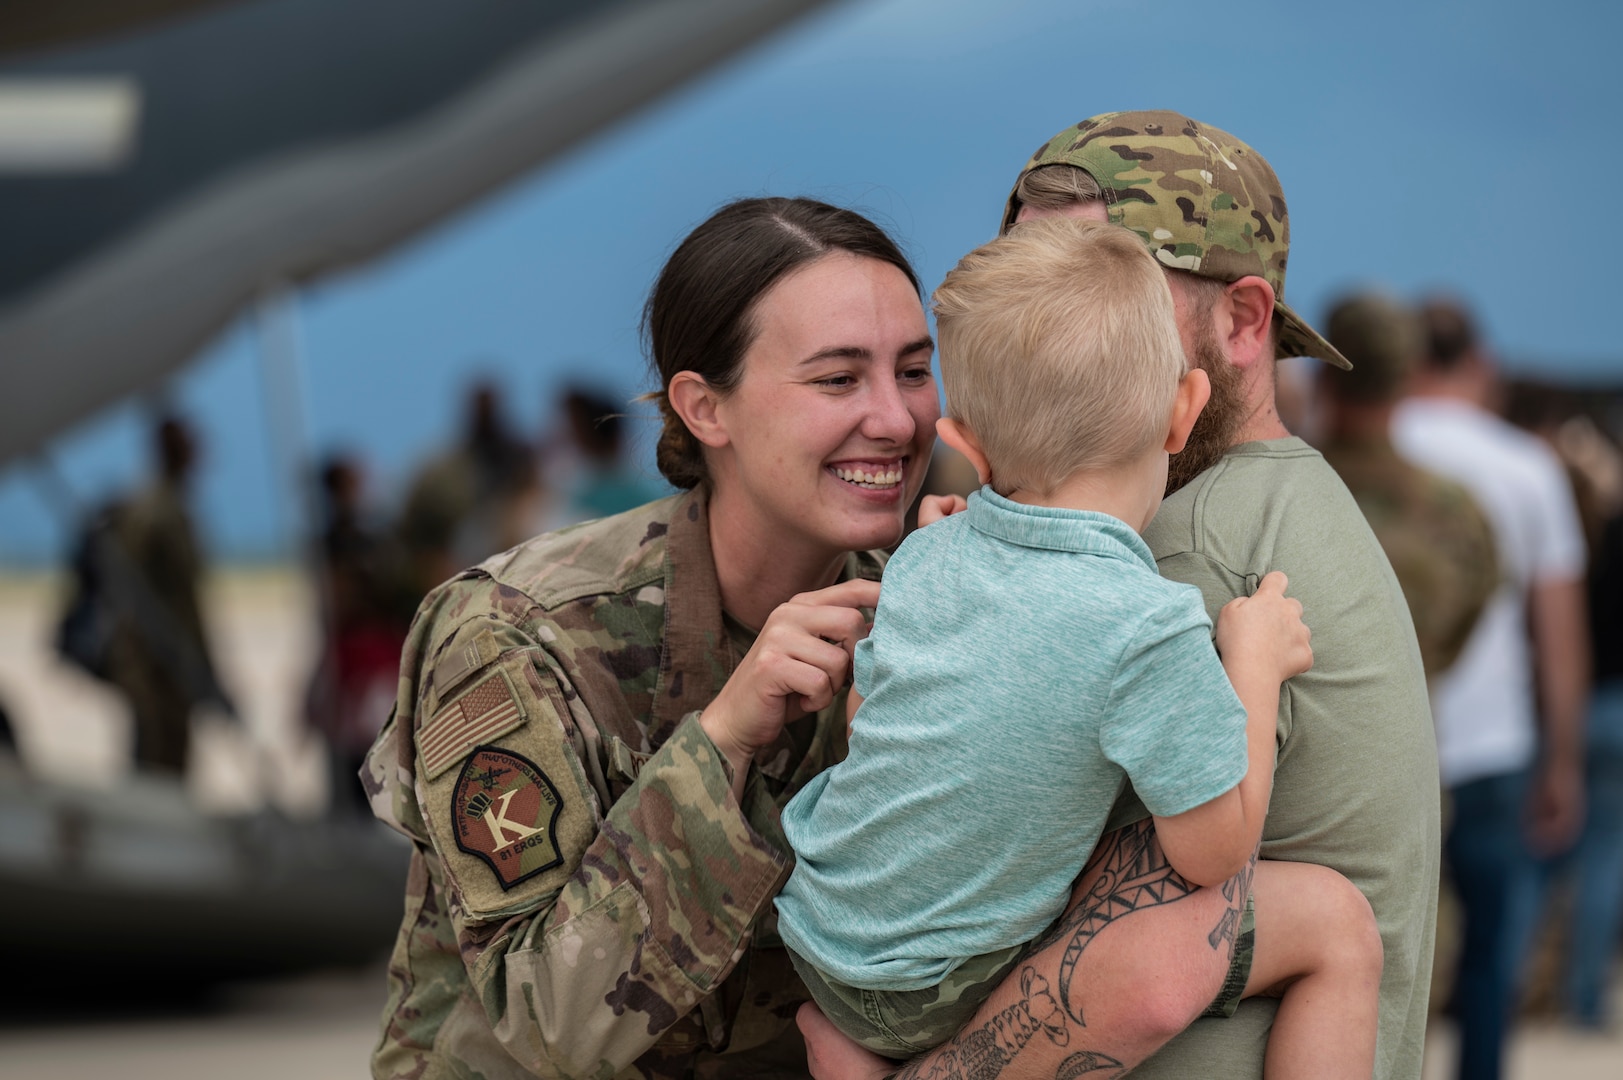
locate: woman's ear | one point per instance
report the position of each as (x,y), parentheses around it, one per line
(963,440)
(694,401)
(1194,390)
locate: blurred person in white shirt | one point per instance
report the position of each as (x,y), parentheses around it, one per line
(1509,714)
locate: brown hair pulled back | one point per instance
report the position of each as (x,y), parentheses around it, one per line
(699,316)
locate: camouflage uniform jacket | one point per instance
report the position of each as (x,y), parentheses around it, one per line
(586,898)
(1436,538)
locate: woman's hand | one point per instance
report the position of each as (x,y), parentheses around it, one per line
(800,660)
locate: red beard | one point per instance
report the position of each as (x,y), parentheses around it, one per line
(1218,422)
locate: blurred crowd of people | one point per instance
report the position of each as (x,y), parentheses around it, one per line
(484,493)
(1500,506)
(1509,693)
(134,616)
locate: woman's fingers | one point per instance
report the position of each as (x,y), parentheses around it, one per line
(839,625)
(799,662)
(806,667)
(858,592)
(833,1055)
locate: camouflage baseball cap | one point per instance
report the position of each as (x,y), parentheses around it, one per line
(1202,200)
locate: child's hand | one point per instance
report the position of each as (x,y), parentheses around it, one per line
(933,508)
(1264,632)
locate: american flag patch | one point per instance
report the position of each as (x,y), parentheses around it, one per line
(488,711)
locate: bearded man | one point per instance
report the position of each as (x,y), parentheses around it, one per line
(1356,782)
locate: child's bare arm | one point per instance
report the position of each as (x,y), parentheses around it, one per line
(1263,642)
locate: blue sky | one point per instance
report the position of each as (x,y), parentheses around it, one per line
(1424,145)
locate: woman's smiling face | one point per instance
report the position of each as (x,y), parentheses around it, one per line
(829,429)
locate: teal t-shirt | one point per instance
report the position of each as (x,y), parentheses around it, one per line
(1024,661)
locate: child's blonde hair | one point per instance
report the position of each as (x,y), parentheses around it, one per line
(1059,350)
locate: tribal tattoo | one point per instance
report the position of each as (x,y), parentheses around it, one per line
(1088,1061)
(1132,874)
(1235,890)
(984,1052)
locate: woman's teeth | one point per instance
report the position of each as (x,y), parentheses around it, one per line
(884,478)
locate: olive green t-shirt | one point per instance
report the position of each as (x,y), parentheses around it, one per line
(1356,784)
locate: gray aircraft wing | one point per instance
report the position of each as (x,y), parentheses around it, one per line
(206,152)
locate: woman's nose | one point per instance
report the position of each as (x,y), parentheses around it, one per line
(888,419)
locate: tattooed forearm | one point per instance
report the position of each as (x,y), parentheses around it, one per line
(1088,1061)
(1235,890)
(1133,874)
(1035,1011)
(978,1056)
(983,1053)
(1128,873)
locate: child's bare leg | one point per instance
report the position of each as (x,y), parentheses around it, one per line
(1316,940)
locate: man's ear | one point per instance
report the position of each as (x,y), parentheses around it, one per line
(963,440)
(695,402)
(1194,390)
(1248,319)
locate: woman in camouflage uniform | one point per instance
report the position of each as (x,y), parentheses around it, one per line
(596,730)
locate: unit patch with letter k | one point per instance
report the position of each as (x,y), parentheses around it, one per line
(505,811)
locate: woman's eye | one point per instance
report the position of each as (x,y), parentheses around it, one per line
(837,381)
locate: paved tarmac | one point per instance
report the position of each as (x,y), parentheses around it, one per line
(1539,1050)
(323,1027)
(319,1027)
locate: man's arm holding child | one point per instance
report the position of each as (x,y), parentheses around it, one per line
(1134,993)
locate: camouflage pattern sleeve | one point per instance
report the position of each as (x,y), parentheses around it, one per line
(1434,535)
(1465,541)
(593,894)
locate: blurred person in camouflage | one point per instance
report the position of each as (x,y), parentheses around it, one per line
(1433,533)
(1356,783)
(158,655)
(472,499)
(596,729)
(1509,713)
(587,468)
(367,602)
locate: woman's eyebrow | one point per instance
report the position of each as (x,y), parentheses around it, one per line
(839,352)
(857,352)
(923,344)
